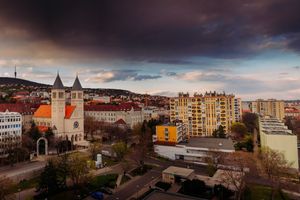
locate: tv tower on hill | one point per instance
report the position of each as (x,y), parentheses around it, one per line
(15,71)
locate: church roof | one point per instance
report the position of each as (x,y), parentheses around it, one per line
(77,85)
(44,111)
(58,83)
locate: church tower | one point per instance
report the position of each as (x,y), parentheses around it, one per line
(58,104)
(77,100)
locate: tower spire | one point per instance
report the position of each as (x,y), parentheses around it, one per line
(15,71)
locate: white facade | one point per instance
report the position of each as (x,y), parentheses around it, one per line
(275,135)
(131,116)
(195,153)
(10,131)
(66,121)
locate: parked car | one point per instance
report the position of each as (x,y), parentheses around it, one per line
(97,195)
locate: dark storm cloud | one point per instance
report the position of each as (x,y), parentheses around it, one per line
(150,30)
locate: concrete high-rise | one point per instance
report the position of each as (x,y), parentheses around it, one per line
(205,113)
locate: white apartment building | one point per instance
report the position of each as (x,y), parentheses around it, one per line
(275,135)
(130,113)
(10,131)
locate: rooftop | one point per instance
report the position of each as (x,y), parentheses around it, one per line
(179,171)
(210,143)
(44,111)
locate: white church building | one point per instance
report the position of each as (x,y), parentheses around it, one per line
(66,121)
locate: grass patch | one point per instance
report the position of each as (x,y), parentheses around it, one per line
(254,192)
(139,171)
(25,184)
(108,180)
(163,185)
(125,178)
(109,161)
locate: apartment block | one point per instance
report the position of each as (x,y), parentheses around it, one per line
(205,113)
(275,135)
(10,131)
(271,107)
(170,134)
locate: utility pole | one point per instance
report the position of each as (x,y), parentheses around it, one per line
(15,71)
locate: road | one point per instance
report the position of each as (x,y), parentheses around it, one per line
(21,168)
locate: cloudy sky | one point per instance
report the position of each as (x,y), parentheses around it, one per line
(247,47)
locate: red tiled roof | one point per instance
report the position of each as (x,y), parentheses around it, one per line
(120,107)
(44,111)
(43,128)
(18,107)
(120,121)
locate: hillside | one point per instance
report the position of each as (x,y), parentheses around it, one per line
(18,81)
(7,81)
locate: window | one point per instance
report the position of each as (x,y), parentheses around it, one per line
(79,95)
(74,95)
(54,95)
(60,95)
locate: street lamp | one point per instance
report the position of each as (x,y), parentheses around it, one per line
(19,190)
(137,191)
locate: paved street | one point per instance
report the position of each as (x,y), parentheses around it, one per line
(21,168)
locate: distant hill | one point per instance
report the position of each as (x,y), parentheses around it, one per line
(18,81)
(26,83)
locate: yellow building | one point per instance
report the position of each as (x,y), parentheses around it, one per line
(275,135)
(270,107)
(170,134)
(205,113)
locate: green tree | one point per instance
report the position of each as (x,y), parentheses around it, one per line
(34,132)
(48,179)
(78,169)
(239,130)
(120,149)
(219,133)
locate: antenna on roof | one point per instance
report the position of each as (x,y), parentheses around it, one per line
(15,71)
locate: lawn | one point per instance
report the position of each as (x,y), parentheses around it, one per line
(108,180)
(25,184)
(254,192)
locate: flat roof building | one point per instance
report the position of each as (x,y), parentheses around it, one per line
(275,135)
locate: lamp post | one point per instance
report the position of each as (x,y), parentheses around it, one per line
(137,191)
(19,190)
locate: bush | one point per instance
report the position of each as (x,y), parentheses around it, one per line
(163,185)
(108,180)
(222,192)
(139,171)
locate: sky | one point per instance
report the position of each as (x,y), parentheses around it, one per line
(250,48)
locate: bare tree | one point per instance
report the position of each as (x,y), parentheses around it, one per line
(90,126)
(235,177)
(275,166)
(94,149)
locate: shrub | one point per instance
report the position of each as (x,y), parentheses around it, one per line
(163,185)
